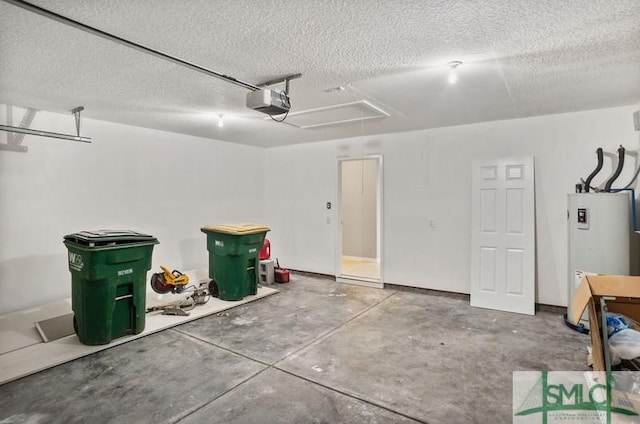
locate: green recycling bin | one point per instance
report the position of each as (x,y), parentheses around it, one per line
(233,259)
(108,283)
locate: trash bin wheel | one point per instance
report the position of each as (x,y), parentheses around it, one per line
(75,324)
(159,285)
(213,289)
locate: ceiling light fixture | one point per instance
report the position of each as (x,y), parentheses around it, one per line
(453,76)
(220,121)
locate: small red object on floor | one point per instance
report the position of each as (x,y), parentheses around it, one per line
(280,275)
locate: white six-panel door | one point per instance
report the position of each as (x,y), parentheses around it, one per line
(503,235)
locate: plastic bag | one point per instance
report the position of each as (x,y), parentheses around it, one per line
(624,341)
(617,323)
(624,344)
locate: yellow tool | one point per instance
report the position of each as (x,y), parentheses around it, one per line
(169,281)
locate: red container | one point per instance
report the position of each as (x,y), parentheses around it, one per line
(281,275)
(265,253)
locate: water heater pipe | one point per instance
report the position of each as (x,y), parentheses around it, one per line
(616,174)
(587,183)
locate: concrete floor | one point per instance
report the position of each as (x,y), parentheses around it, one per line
(318,352)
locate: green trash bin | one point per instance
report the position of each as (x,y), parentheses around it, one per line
(108,283)
(233,259)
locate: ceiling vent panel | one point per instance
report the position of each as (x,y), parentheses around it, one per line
(335,115)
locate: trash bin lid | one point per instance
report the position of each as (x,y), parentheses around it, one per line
(109,238)
(236,229)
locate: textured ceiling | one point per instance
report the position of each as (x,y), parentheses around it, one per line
(521,58)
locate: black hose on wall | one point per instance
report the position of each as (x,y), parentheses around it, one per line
(587,183)
(616,174)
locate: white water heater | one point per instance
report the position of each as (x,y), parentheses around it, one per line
(600,228)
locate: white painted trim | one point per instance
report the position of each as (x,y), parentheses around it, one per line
(360,282)
(380,217)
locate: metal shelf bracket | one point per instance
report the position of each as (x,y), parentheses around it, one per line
(16,134)
(14,140)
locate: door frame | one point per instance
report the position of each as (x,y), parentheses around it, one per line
(379,223)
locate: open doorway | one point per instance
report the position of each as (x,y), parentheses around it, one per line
(359,252)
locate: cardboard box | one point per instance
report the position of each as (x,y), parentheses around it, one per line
(622,295)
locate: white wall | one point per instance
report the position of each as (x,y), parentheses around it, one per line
(359,208)
(427,177)
(168,185)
